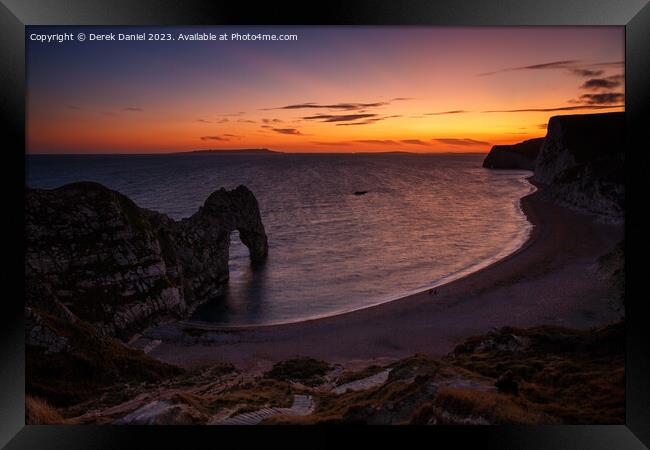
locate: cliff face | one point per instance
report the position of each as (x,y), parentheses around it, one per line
(581,162)
(95,254)
(516,156)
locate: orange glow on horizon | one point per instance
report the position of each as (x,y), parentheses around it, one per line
(473,90)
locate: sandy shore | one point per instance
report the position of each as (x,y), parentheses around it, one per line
(551,280)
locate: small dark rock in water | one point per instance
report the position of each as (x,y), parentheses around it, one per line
(360,192)
(507,384)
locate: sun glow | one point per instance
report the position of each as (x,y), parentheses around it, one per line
(348,90)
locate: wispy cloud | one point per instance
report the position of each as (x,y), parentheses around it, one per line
(566,64)
(461,141)
(340,106)
(572,65)
(611,82)
(339,117)
(604,98)
(213,138)
(330,143)
(349,119)
(413,142)
(607,64)
(132,109)
(560,108)
(371,120)
(377,141)
(292,131)
(454,111)
(587,72)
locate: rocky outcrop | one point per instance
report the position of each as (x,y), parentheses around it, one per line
(67,361)
(581,162)
(516,156)
(94,253)
(201,243)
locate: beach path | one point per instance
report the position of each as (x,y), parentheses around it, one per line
(302,405)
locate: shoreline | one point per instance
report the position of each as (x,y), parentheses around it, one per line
(444,281)
(557,256)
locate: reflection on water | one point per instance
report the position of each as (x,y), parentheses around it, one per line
(423,219)
(244,294)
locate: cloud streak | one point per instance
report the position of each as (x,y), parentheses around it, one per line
(587,72)
(565,64)
(330,143)
(459,141)
(213,138)
(611,82)
(369,121)
(455,111)
(571,65)
(605,98)
(413,142)
(339,117)
(377,141)
(560,108)
(291,131)
(347,106)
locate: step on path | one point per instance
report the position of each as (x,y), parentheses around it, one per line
(303,405)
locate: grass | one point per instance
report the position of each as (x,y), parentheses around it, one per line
(573,375)
(466,406)
(94,364)
(350,376)
(254,396)
(40,412)
(564,376)
(305,370)
(414,366)
(392,402)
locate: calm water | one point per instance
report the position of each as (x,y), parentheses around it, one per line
(426,219)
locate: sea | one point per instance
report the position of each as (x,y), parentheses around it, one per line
(425,219)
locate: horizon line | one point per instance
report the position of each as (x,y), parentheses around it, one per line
(234,151)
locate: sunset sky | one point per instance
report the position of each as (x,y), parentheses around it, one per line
(335,89)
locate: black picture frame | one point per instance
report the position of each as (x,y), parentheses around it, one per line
(633,14)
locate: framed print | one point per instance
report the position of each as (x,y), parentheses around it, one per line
(253,223)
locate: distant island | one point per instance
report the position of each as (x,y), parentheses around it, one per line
(238,151)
